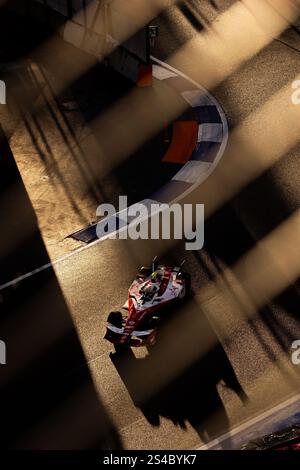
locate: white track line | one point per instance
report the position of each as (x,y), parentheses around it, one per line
(15,281)
(55,262)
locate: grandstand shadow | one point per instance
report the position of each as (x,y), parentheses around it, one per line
(42,405)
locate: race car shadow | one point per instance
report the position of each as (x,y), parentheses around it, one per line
(183,396)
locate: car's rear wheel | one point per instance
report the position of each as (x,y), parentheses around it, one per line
(121,348)
(153,322)
(116,319)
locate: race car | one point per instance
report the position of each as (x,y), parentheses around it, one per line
(284,439)
(154,289)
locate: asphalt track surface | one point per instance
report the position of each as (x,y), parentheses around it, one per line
(199,403)
(236,377)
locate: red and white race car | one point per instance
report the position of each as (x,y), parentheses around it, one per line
(153,289)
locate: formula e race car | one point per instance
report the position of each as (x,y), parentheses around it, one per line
(154,289)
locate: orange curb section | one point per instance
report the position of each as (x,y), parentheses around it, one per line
(184,141)
(144,75)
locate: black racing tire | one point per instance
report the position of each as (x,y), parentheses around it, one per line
(116,319)
(187,280)
(153,323)
(121,348)
(145,271)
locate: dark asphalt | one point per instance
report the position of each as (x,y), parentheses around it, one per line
(259,351)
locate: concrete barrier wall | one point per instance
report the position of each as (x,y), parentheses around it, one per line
(97,27)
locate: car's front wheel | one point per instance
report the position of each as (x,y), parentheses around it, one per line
(186,277)
(116,319)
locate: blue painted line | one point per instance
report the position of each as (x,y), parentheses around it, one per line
(207,114)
